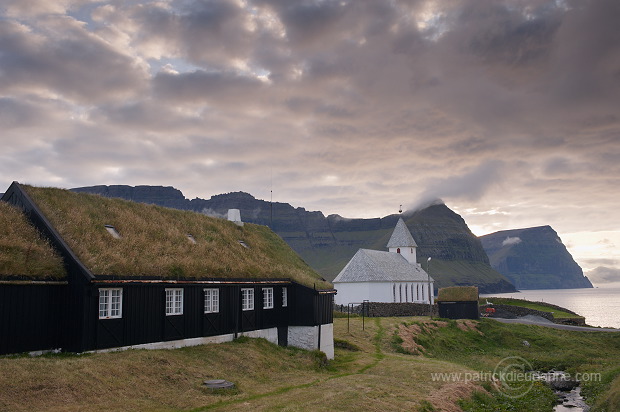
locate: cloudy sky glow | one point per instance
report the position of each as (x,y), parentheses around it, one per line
(507,110)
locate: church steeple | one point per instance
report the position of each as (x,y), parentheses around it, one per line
(402,242)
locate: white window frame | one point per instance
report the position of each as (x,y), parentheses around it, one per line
(284,297)
(267,298)
(110,303)
(174,301)
(212,300)
(247,299)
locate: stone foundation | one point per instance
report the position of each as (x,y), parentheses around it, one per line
(381,309)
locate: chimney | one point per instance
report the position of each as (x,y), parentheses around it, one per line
(235,216)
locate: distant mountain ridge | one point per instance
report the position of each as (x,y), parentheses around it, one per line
(328,243)
(534,258)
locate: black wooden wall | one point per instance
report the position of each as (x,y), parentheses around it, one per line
(458,310)
(32,317)
(144,319)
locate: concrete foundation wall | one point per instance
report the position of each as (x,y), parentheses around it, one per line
(307,337)
(270,334)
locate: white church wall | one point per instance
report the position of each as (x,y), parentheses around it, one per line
(357,292)
(351,292)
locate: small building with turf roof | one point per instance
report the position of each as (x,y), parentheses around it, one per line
(120,274)
(458,302)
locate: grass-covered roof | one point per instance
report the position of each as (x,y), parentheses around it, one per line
(154,241)
(458,294)
(23,252)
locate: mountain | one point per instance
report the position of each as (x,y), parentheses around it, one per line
(328,243)
(534,258)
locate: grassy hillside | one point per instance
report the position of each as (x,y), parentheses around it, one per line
(374,370)
(153,241)
(23,252)
(557,312)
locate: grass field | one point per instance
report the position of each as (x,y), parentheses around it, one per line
(541,306)
(374,370)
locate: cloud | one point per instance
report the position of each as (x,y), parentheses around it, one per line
(472,184)
(509,241)
(603,274)
(488,105)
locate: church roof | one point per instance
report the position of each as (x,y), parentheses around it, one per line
(377,266)
(401,237)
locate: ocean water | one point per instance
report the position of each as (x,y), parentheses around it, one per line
(600,306)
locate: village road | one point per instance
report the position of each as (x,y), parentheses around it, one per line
(545,322)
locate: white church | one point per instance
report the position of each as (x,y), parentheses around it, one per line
(393,276)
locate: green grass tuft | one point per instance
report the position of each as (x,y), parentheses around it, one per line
(23,251)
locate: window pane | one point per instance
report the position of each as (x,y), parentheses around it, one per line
(110,303)
(174,301)
(267,298)
(212,300)
(103,303)
(247,299)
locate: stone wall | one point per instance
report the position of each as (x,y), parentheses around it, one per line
(509,311)
(380,309)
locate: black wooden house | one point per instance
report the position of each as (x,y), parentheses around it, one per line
(145,276)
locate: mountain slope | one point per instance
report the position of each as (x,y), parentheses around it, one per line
(328,243)
(534,258)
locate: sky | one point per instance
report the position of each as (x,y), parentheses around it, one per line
(508,111)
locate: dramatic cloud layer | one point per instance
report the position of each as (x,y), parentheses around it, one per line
(506,110)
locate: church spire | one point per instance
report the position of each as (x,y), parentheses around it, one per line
(402,242)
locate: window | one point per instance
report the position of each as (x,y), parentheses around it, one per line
(267,298)
(174,302)
(110,303)
(212,300)
(406,294)
(284,297)
(247,299)
(112,231)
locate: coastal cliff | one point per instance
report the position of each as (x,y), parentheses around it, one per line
(534,258)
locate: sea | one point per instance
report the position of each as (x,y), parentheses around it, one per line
(600,305)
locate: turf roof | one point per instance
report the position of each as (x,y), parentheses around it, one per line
(154,241)
(458,294)
(24,253)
